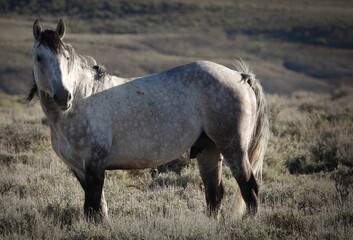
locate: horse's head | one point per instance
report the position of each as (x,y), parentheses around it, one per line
(51,64)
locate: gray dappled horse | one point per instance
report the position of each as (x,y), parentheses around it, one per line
(100,122)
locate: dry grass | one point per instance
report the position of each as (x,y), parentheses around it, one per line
(40,199)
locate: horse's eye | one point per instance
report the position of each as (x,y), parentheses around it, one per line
(39,58)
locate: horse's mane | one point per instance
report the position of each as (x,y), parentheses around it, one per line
(52,40)
(32,93)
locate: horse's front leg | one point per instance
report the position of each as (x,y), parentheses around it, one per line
(80,175)
(93,186)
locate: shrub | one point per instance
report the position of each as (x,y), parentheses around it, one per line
(176,166)
(62,215)
(290,223)
(23,219)
(343,177)
(8,159)
(18,137)
(324,155)
(186,177)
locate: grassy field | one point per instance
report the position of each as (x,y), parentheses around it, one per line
(301,51)
(311,137)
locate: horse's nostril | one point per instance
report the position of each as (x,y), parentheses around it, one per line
(62,98)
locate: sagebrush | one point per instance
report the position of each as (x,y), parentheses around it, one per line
(41,199)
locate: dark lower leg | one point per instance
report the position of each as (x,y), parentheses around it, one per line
(94,180)
(210,166)
(249,190)
(214,193)
(240,166)
(80,175)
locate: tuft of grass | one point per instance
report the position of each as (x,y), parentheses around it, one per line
(343,177)
(186,177)
(62,215)
(290,223)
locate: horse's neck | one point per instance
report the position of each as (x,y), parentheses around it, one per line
(85,84)
(89,83)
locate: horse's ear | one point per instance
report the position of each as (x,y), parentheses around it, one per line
(37,29)
(60,29)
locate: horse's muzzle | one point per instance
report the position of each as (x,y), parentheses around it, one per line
(62,99)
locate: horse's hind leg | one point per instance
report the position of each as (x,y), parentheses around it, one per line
(210,166)
(237,158)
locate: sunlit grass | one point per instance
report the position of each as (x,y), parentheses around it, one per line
(40,198)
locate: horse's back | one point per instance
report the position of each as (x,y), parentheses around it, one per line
(213,78)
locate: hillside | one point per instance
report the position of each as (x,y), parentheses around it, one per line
(290,46)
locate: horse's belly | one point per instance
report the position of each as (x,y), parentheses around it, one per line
(153,130)
(143,148)
(134,163)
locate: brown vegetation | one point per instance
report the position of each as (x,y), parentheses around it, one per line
(41,199)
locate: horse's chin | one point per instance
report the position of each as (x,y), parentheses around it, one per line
(65,108)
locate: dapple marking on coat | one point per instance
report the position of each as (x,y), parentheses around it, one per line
(100,122)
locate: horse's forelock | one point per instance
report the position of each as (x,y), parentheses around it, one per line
(52,40)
